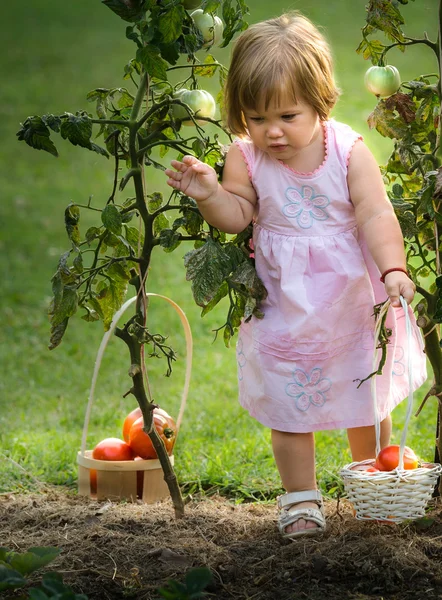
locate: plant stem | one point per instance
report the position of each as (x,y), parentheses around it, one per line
(129,337)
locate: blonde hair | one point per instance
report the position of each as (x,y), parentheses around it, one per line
(285,55)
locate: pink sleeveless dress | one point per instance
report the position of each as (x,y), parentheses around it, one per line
(299,366)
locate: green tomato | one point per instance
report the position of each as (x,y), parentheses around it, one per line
(200,101)
(210,26)
(382,81)
(190,4)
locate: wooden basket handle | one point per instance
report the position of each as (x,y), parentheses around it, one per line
(102,348)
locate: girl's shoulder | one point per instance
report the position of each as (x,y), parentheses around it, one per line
(248,151)
(341,139)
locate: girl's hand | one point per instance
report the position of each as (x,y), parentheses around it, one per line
(193,177)
(399,284)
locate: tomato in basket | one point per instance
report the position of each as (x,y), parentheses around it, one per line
(388,458)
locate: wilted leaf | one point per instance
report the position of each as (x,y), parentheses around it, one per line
(37,135)
(71,219)
(66,307)
(404,106)
(110,300)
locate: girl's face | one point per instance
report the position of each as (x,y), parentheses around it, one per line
(285,129)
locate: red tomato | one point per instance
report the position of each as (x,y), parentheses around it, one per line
(140,442)
(112,449)
(372,470)
(388,458)
(93,480)
(136,414)
(129,421)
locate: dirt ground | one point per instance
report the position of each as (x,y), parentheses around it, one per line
(118,550)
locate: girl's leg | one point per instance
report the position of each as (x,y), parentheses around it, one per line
(295,459)
(362,440)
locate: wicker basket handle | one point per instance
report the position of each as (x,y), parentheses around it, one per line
(102,348)
(377,423)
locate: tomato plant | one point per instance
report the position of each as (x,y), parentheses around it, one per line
(112,449)
(199,101)
(132,125)
(141,443)
(411,118)
(388,458)
(210,26)
(382,81)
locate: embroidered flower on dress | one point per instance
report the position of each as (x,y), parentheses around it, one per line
(308,389)
(240,358)
(398,365)
(305,206)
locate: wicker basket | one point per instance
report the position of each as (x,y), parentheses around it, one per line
(390,496)
(130,479)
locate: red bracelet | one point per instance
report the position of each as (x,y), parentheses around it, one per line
(391,271)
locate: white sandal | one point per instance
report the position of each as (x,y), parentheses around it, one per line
(314,515)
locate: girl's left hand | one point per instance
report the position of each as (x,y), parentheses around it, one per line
(399,284)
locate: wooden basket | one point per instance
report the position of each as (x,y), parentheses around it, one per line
(390,496)
(129,479)
(121,479)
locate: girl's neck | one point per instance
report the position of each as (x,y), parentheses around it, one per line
(311,156)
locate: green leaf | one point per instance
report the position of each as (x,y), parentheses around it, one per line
(171,24)
(35,558)
(169,240)
(118,272)
(10,579)
(52,121)
(221,293)
(160,223)
(133,237)
(111,218)
(129,10)
(155,201)
(37,594)
(78,130)
(151,60)
(371,50)
(206,268)
(92,233)
(37,135)
(197,580)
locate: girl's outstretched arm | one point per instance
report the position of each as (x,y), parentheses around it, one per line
(376,219)
(228,206)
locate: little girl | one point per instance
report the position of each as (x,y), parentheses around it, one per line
(328,247)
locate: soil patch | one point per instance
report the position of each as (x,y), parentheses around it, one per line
(118,550)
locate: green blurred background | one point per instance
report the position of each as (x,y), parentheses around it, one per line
(53,55)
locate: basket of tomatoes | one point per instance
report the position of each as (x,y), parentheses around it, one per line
(394,486)
(381,490)
(128,467)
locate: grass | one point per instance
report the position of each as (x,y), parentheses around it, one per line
(53,55)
